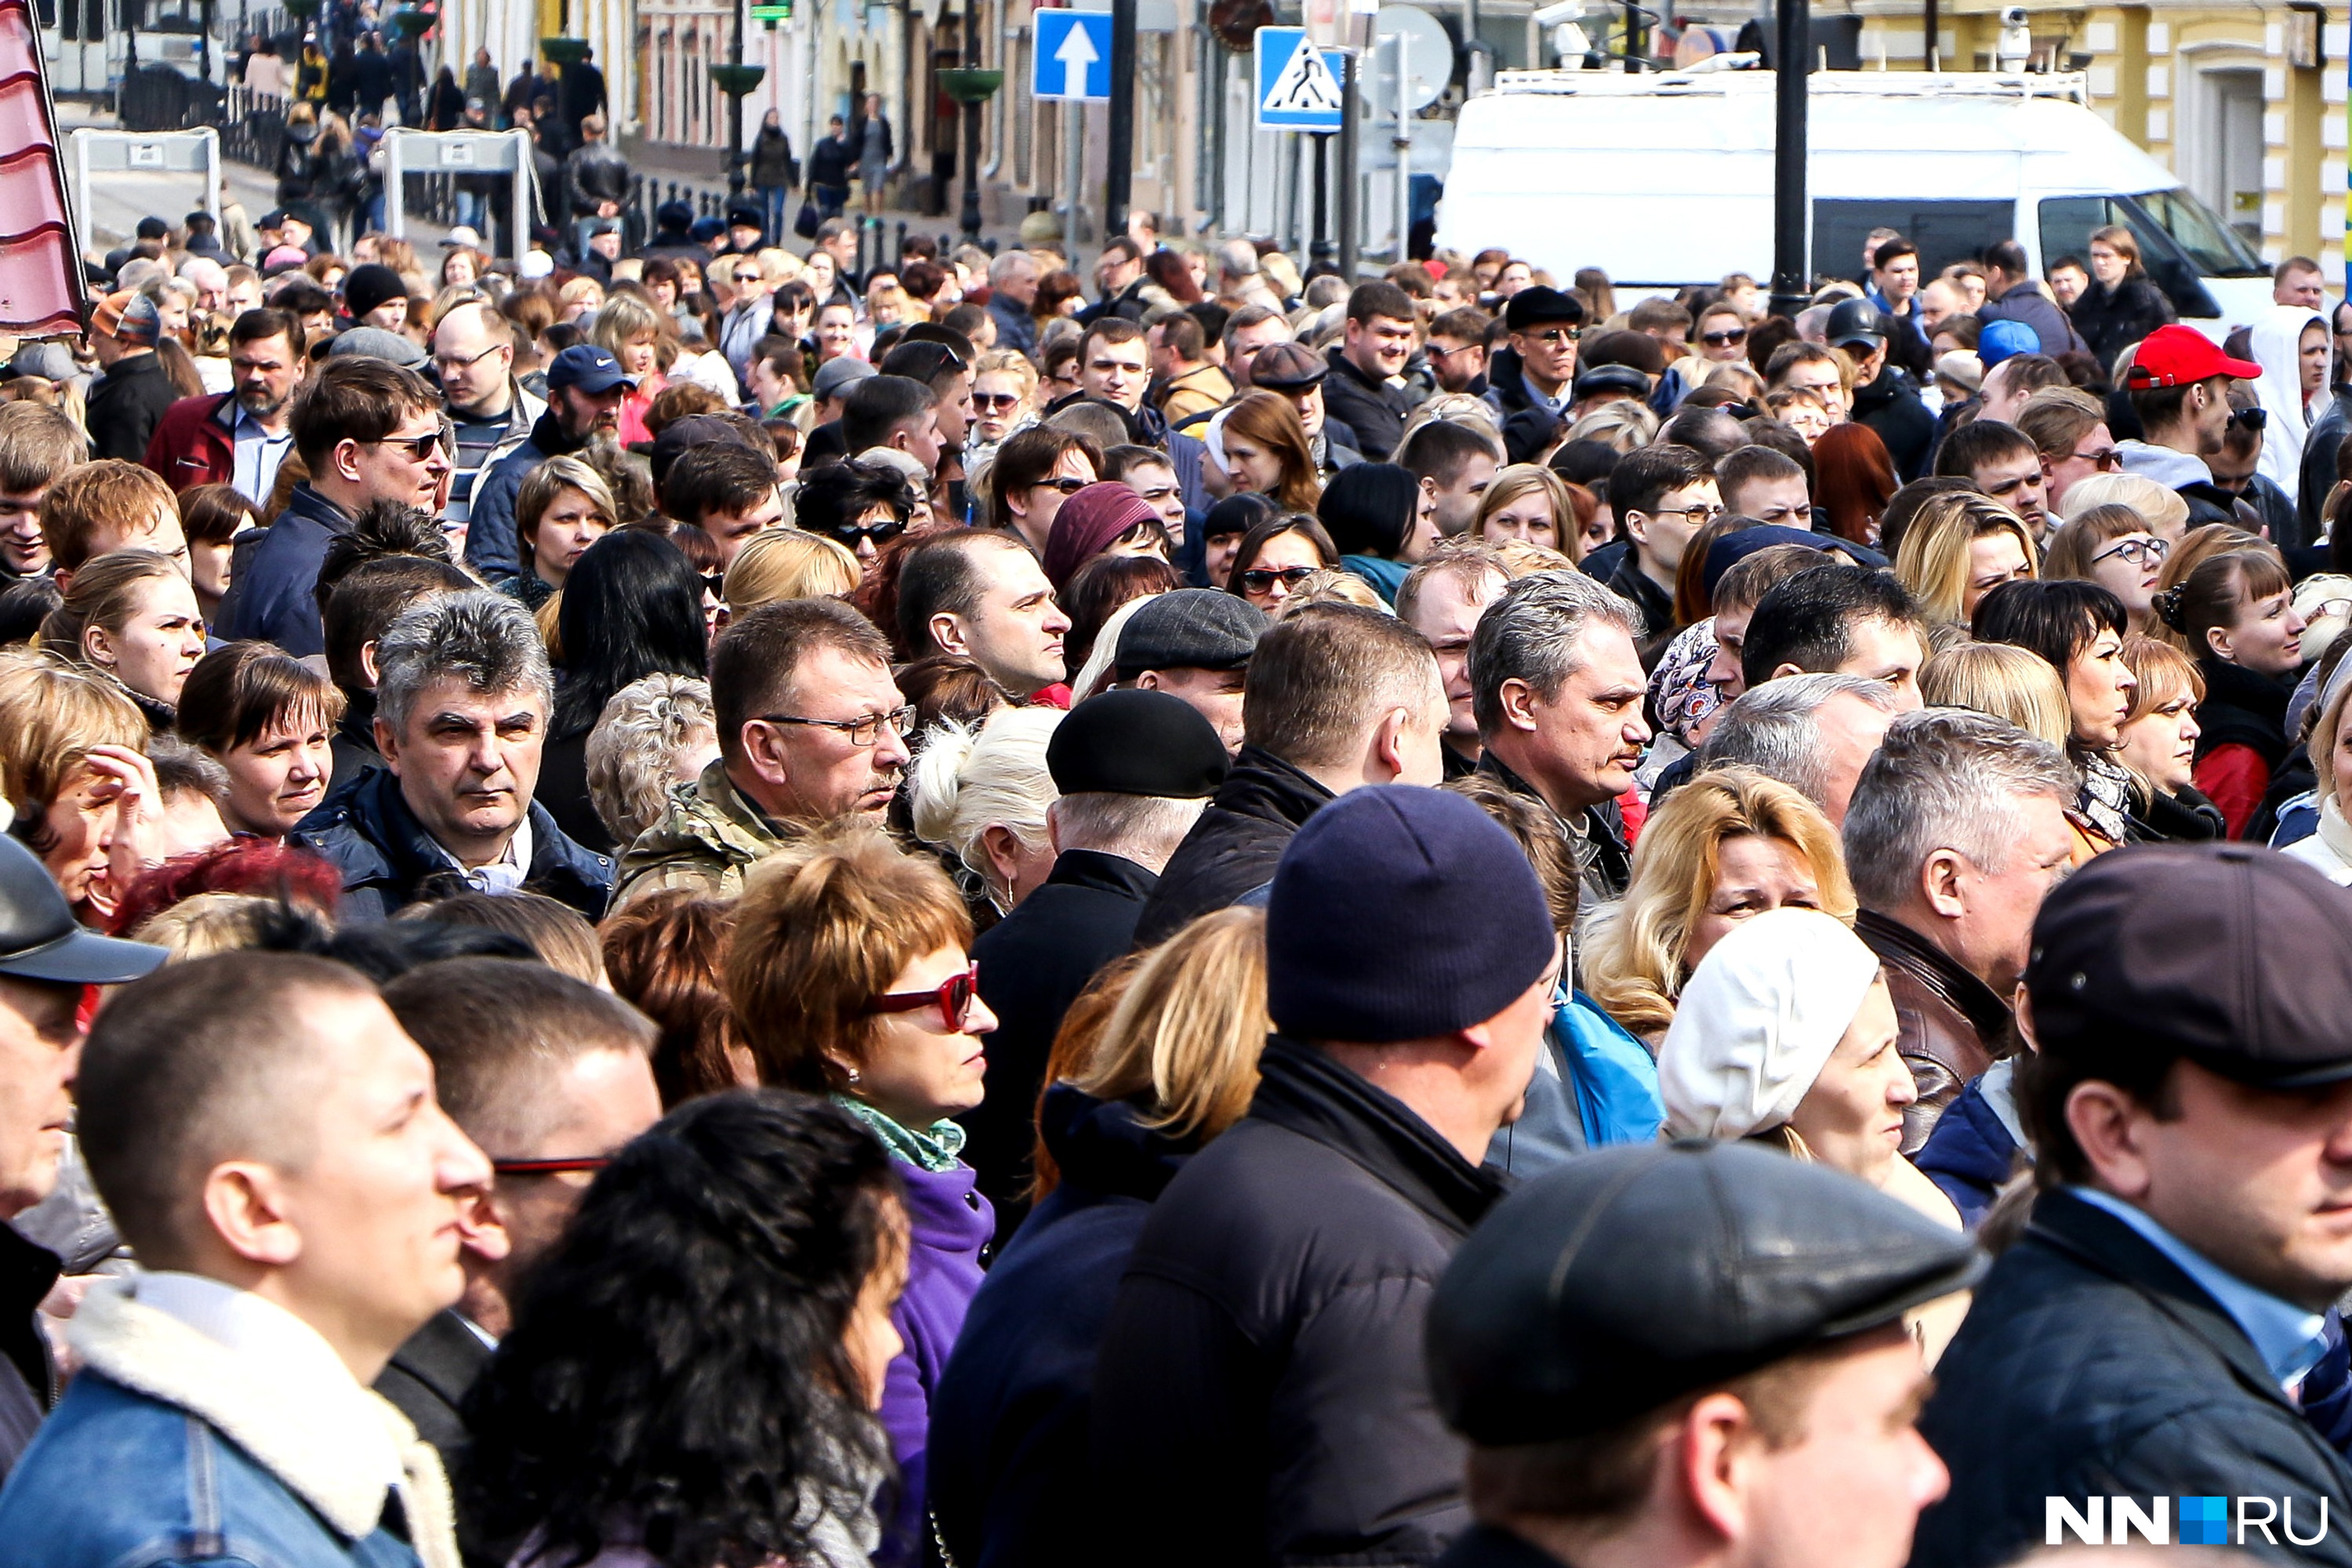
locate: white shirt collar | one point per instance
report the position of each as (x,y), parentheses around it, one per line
(504,875)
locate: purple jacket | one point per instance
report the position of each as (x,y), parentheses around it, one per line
(951,1223)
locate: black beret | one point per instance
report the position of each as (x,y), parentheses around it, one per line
(1536,304)
(2231,955)
(1633,1276)
(1136,743)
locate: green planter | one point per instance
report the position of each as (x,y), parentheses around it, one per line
(736,81)
(970,84)
(410,23)
(565,51)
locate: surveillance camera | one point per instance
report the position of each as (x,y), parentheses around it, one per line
(2012,16)
(1558,11)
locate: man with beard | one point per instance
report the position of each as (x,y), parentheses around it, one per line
(584,389)
(241,435)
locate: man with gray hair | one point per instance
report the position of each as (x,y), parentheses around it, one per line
(1013,279)
(463,690)
(1558,691)
(1813,732)
(1240,280)
(1957,829)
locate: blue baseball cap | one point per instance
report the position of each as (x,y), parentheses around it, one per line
(2000,340)
(589,368)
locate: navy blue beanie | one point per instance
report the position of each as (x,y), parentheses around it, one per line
(1399,914)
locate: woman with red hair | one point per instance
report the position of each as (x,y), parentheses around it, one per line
(1854,478)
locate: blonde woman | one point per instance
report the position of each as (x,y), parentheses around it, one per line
(2159,747)
(1724,847)
(73,764)
(788,564)
(1171,1068)
(563,509)
(1529,503)
(2165,511)
(1624,425)
(1959,548)
(2004,680)
(631,330)
(980,792)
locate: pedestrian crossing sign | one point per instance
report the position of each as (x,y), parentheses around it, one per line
(1297,84)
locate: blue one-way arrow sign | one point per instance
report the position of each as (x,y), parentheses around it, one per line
(1072,56)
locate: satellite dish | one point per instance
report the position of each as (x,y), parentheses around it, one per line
(1429,58)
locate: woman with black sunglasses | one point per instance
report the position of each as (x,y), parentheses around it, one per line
(1278,555)
(850,974)
(859,505)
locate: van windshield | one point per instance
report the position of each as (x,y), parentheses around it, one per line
(2211,244)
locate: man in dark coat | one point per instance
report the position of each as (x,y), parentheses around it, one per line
(130,400)
(1133,769)
(1532,381)
(463,691)
(47,961)
(368,431)
(2013,294)
(538,1069)
(1260,1396)
(585,386)
(1360,393)
(1558,691)
(1605,1382)
(1337,698)
(2144,1340)
(1883,397)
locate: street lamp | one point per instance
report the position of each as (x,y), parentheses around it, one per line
(970,86)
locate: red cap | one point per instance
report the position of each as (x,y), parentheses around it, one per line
(2182,356)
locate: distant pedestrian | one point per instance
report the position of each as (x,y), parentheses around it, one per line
(871,134)
(773,173)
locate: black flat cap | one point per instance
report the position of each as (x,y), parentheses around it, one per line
(1136,743)
(1633,1276)
(40,940)
(1539,304)
(2230,953)
(1603,378)
(1191,628)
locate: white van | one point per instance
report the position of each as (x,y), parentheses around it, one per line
(1666,180)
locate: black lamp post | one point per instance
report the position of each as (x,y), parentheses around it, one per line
(970,86)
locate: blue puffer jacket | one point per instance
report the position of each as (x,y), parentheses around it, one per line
(1969,1154)
(117,1478)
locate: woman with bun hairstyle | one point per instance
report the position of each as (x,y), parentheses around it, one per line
(2236,610)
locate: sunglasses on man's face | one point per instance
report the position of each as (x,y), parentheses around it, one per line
(1724,340)
(1068,487)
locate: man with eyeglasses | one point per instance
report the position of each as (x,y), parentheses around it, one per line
(586,386)
(2069,430)
(1456,350)
(1363,391)
(366,430)
(2234,472)
(2002,463)
(1662,494)
(1532,382)
(463,692)
(811,728)
(549,1077)
(493,412)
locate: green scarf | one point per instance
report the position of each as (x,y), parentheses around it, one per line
(933,1148)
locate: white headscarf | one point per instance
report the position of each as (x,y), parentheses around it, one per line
(2277,342)
(1757,1022)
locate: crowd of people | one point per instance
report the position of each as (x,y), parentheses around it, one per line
(697,909)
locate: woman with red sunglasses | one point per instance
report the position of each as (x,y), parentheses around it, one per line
(850,974)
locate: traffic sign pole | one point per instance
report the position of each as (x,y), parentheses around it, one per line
(1347,182)
(1121,149)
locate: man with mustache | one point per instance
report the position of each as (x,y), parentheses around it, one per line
(240,437)
(584,389)
(811,728)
